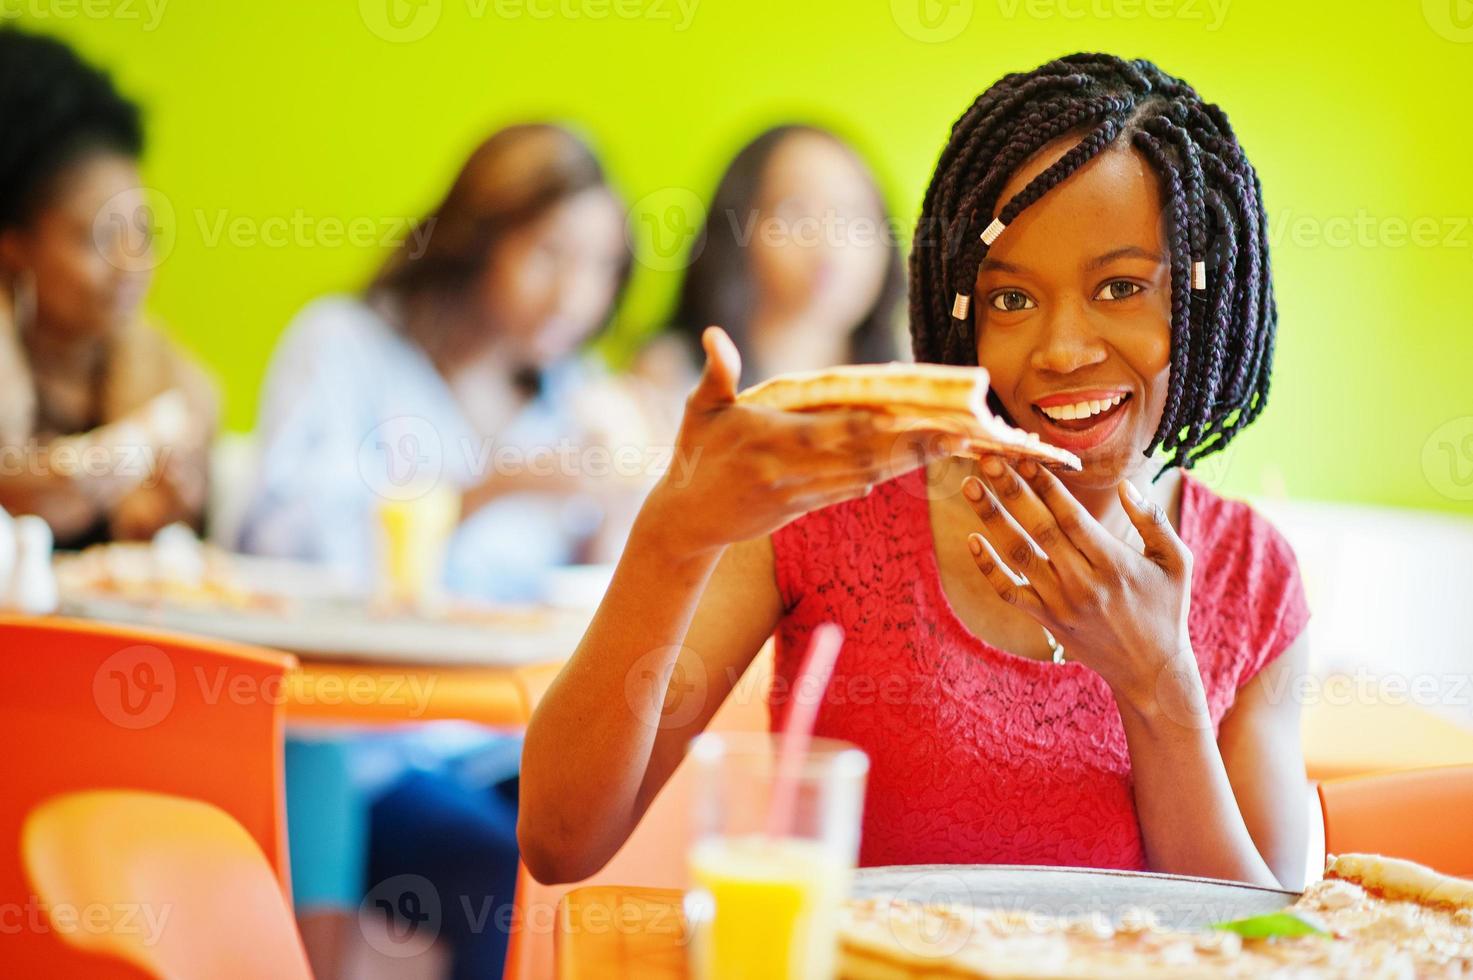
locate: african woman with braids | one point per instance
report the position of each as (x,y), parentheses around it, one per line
(1079,669)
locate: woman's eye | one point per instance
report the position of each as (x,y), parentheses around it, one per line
(1118,289)
(1011,301)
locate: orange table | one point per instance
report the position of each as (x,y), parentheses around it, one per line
(1342,737)
(605,932)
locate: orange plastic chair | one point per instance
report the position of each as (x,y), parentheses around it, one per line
(1417,814)
(653,856)
(178,888)
(88,706)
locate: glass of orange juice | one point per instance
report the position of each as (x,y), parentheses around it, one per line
(764,900)
(414,531)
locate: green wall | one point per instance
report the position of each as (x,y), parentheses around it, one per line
(278,126)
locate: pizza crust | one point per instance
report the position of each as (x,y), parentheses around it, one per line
(1396,878)
(911,396)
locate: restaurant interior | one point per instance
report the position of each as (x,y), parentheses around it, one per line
(647,489)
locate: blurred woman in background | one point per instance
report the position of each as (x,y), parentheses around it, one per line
(466,338)
(798,260)
(104,425)
(453,374)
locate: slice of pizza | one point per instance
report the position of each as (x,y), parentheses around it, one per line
(1384,917)
(911,396)
(1389,909)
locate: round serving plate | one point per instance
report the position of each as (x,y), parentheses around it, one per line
(1178,901)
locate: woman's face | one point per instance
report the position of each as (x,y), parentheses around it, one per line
(550,283)
(818,246)
(89,248)
(1073,312)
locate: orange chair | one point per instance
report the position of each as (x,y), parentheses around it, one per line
(1417,814)
(86,706)
(176,886)
(653,856)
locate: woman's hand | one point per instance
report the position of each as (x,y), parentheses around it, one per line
(741,472)
(1120,612)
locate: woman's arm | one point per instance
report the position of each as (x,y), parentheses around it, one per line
(614,725)
(686,610)
(1263,751)
(1234,808)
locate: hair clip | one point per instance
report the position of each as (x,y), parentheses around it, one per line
(961,306)
(1199,275)
(990,233)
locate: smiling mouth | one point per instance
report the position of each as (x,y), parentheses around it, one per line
(1083,415)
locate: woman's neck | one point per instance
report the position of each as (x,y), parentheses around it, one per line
(443,331)
(59,355)
(1103,503)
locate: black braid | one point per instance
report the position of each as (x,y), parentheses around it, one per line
(1222,337)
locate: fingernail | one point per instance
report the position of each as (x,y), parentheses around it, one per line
(992,466)
(1132,492)
(1028,468)
(972,487)
(975,543)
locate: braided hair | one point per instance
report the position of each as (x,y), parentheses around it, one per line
(1222,336)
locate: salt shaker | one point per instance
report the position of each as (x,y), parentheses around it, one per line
(7,555)
(33,582)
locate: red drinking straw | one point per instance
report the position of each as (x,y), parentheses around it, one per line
(808,692)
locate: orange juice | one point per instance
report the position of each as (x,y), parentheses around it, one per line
(771,906)
(414,532)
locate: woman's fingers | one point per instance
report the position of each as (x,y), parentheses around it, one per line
(1002,530)
(1069,515)
(1008,586)
(1027,510)
(1163,545)
(718,382)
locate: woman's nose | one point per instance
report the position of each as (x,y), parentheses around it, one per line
(1068,342)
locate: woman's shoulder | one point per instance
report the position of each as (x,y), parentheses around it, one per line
(144,361)
(337,320)
(1248,597)
(1228,536)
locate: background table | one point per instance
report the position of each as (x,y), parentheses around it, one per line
(611,932)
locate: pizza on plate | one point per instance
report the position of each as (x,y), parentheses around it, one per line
(1370,916)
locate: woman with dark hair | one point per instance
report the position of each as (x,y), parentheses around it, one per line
(109,424)
(465,338)
(454,374)
(1077,669)
(798,261)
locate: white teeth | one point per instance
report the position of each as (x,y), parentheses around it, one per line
(1082,410)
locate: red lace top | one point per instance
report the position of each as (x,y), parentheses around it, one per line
(979,756)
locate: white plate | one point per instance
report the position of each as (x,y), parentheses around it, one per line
(343,632)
